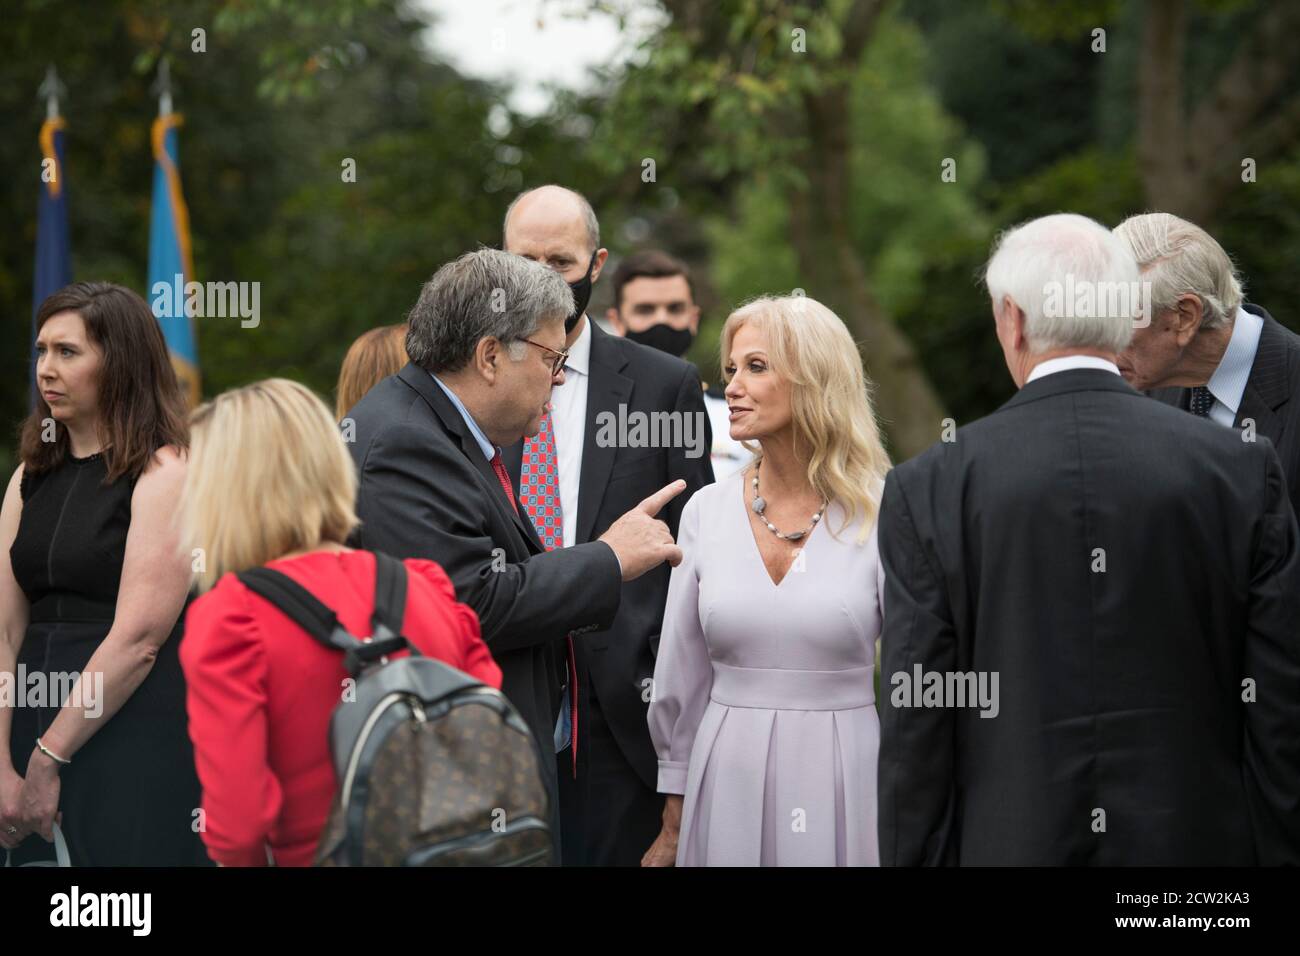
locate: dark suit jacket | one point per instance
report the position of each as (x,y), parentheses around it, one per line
(1120,689)
(613,480)
(426,491)
(1272,396)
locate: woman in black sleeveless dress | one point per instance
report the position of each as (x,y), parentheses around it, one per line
(126,787)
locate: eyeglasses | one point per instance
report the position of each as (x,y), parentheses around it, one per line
(557,363)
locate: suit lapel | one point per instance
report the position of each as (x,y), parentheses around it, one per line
(607,389)
(513,459)
(526,523)
(423,383)
(1267,422)
(1266,389)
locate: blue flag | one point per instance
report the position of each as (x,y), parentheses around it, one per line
(170,265)
(53,249)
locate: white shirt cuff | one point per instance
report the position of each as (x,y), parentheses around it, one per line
(672,777)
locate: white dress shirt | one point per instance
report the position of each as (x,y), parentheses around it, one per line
(1228,383)
(569,423)
(1067,362)
(489,450)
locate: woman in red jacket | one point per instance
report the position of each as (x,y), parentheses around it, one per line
(270,483)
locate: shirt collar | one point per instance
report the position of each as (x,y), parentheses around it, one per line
(489,450)
(1228,383)
(580,352)
(1067,362)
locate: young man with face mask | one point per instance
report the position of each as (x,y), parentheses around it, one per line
(573,480)
(654,304)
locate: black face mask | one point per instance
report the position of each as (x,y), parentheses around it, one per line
(581,296)
(665,338)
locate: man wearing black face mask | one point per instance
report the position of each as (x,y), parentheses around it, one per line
(574,478)
(654,304)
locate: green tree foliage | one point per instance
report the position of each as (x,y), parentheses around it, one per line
(282,95)
(736,121)
(907,222)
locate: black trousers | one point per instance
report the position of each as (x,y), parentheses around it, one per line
(608,816)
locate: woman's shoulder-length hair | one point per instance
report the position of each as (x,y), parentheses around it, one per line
(834,422)
(141,408)
(268,474)
(375,355)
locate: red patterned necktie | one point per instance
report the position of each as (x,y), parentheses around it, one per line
(539,486)
(539,490)
(499,467)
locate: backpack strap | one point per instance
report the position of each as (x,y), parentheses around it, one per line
(322,624)
(390,596)
(299,605)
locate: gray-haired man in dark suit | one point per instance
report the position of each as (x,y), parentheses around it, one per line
(486,344)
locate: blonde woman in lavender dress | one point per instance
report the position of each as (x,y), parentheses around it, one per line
(763,712)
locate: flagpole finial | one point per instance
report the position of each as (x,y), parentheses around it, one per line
(163,87)
(52,88)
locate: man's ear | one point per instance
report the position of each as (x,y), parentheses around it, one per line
(1010,321)
(1188,317)
(1019,341)
(601,256)
(695,320)
(488,356)
(615,321)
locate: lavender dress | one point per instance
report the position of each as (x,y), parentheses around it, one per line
(763,712)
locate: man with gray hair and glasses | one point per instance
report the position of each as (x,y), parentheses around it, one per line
(486,344)
(1121,583)
(574,479)
(1207,350)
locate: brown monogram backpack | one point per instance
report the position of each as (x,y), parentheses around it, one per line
(434,767)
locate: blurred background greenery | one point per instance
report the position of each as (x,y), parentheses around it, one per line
(795,145)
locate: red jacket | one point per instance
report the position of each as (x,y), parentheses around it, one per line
(260,692)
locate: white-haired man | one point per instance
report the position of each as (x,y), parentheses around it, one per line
(1207,350)
(1091,606)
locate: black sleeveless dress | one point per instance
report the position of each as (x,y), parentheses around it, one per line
(130,794)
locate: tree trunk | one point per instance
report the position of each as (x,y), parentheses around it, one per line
(906,404)
(1163,153)
(1191,159)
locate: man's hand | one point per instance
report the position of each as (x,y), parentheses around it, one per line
(639,540)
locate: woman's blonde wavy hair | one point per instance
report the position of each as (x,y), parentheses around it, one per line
(268,474)
(830,400)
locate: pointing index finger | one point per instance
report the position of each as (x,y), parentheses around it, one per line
(655,503)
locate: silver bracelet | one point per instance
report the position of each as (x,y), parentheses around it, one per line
(50,753)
